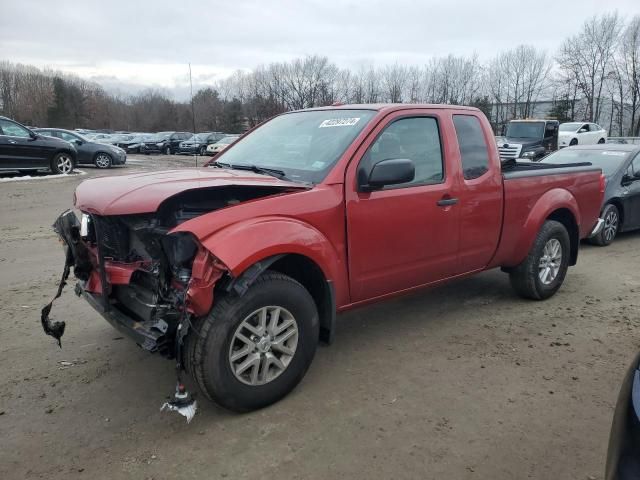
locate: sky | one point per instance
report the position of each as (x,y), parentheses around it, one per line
(128,46)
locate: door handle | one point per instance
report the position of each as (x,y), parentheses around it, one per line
(12,141)
(446,201)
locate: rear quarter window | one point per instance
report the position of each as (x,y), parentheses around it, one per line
(474,153)
(473,147)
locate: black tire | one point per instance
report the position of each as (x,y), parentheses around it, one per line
(167,150)
(103,160)
(525,278)
(611,217)
(601,141)
(61,163)
(574,141)
(209,343)
(203,151)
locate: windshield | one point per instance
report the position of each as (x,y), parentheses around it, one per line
(569,127)
(158,137)
(304,145)
(525,129)
(609,160)
(200,137)
(227,140)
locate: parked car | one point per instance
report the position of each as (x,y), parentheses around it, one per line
(90,152)
(134,144)
(528,139)
(220,145)
(579,133)
(118,138)
(623,454)
(165,142)
(239,268)
(25,150)
(620,165)
(198,143)
(99,137)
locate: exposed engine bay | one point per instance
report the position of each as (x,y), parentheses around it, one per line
(143,279)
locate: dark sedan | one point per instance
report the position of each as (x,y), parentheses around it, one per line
(89,152)
(199,142)
(620,165)
(24,150)
(165,142)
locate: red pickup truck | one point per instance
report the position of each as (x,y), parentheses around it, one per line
(238,269)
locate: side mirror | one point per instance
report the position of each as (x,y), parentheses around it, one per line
(388,172)
(33,135)
(629,179)
(77,141)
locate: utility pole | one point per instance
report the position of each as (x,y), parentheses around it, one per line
(193,112)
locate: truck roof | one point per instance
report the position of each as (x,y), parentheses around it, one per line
(390,107)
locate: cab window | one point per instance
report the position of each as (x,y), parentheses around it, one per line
(415,138)
(473,147)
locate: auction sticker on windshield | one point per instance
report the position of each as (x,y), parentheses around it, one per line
(339,122)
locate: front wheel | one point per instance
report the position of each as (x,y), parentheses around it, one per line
(252,350)
(541,274)
(62,163)
(203,150)
(574,141)
(611,217)
(167,150)
(601,141)
(103,160)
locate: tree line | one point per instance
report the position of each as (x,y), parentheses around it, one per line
(594,74)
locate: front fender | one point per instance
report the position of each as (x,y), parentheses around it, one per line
(242,244)
(547,204)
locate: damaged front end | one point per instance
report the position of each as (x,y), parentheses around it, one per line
(141,278)
(147,280)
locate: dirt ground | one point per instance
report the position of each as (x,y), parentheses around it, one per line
(465,381)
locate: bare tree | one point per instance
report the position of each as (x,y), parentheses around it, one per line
(588,56)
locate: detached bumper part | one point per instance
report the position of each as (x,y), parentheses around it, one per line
(598,228)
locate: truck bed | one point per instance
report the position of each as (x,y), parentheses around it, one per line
(529,188)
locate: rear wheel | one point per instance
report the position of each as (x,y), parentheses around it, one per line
(252,350)
(602,140)
(611,217)
(103,160)
(541,274)
(62,163)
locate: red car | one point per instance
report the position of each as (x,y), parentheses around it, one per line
(239,268)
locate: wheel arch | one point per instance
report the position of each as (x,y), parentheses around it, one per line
(566,218)
(556,204)
(304,270)
(617,202)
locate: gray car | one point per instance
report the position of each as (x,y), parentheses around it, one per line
(620,165)
(89,152)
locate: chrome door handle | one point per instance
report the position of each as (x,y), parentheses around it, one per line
(12,141)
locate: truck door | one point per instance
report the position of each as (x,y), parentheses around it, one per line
(405,235)
(481,194)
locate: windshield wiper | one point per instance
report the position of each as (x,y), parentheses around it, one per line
(274,172)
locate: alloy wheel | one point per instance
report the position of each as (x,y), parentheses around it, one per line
(103,161)
(550,262)
(64,164)
(610,226)
(263,345)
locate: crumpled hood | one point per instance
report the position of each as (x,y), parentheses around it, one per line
(144,192)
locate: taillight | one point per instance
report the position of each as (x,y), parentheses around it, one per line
(603,183)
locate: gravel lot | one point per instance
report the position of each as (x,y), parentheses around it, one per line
(465,381)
